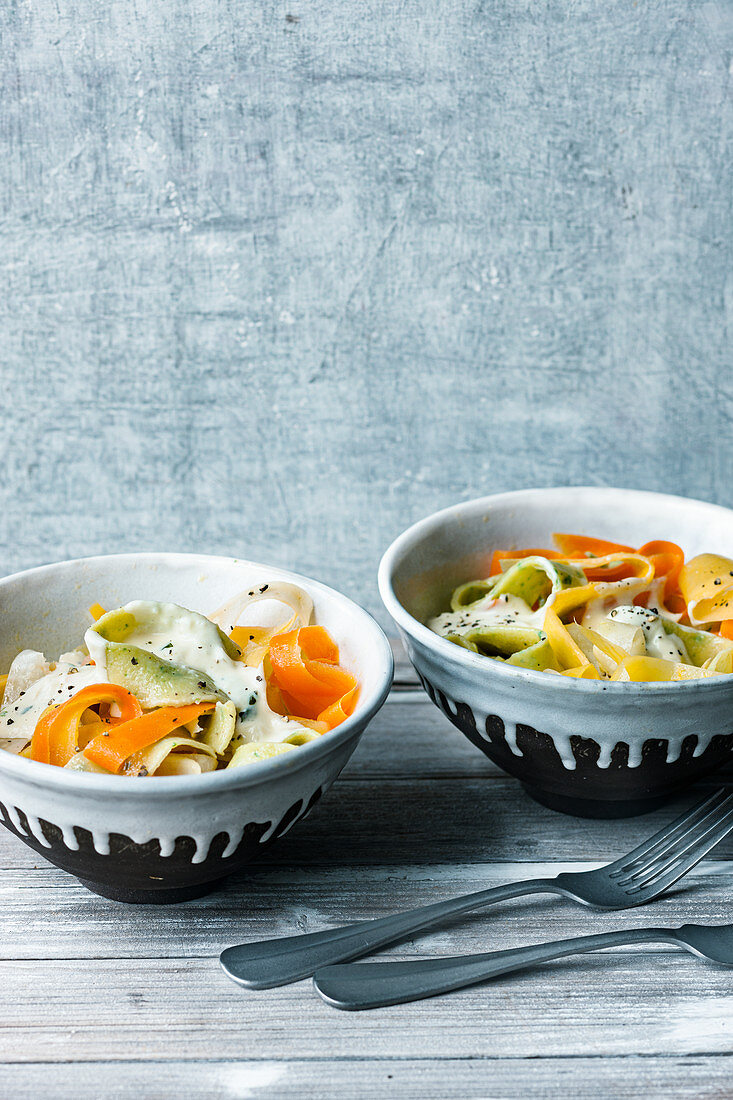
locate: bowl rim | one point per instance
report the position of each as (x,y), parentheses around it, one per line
(167,788)
(464,658)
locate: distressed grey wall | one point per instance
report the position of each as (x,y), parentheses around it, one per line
(280,277)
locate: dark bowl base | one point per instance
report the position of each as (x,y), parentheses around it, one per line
(594,807)
(167,896)
(128,870)
(586,789)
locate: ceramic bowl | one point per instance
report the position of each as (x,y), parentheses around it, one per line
(173,838)
(587,747)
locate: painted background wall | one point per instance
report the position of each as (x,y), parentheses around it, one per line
(277,278)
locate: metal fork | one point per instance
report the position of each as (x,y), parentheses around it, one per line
(638,877)
(375,985)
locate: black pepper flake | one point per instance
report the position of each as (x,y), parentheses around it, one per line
(22,693)
(202,683)
(252,700)
(717,581)
(133,660)
(10,722)
(143,772)
(264,588)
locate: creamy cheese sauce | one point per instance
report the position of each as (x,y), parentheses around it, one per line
(658,642)
(183,637)
(492,611)
(508,610)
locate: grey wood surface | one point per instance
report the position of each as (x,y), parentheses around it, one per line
(99,999)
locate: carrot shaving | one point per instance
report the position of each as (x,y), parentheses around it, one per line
(55,738)
(339,711)
(111,749)
(582,546)
(307,675)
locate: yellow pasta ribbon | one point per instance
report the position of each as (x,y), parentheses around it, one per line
(600,651)
(567,651)
(584,672)
(658,669)
(706,583)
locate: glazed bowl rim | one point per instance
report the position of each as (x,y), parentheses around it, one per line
(167,788)
(465,659)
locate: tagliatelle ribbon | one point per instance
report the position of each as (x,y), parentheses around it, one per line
(567,651)
(254,641)
(566,648)
(517,555)
(706,583)
(595,571)
(659,669)
(583,672)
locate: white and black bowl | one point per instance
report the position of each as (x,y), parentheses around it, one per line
(173,838)
(587,747)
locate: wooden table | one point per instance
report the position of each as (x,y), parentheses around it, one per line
(102,999)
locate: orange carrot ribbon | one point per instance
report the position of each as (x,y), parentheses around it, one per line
(111,750)
(55,738)
(306,672)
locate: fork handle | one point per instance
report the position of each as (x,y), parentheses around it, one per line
(375,985)
(267,963)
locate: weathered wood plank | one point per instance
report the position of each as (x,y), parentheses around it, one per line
(691,1078)
(287,901)
(186,1008)
(410,737)
(454,823)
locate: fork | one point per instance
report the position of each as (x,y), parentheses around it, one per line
(638,877)
(376,985)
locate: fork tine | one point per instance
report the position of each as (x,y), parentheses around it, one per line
(686,843)
(670,834)
(684,861)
